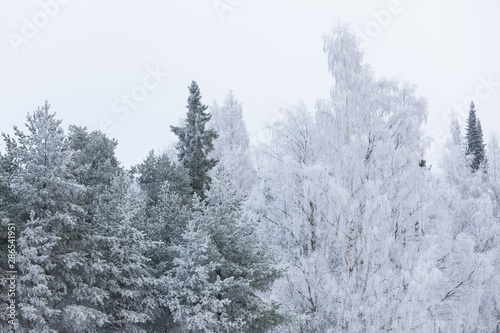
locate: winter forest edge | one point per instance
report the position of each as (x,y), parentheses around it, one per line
(335,224)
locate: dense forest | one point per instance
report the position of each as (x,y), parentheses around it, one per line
(336,224)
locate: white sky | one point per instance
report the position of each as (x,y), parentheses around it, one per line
(269,52)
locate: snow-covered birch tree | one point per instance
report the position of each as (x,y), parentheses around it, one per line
(232,147)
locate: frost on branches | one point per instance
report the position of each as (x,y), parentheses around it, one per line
(359,222)
(232,147)
(340,227)
(222,271)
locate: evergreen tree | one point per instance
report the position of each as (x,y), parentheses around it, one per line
(193,288)
(474,149)
(166,187)
(8,213)
(119,264)
(167,192)
(51,263)
(94,163)
(8,167)
(4,286)
(156,171)
(472,240)
(196,142)
(480,156)
(222,268)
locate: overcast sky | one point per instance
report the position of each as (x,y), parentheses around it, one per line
(86,57)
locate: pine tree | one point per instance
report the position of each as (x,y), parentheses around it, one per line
(8,213)
(222,268)
(167,192)
(474,149)
(38,285)
(94,163)
(193,288)
(119,265)
(196,142)
(51,262)
(156,171)
(166,187)
(4,250)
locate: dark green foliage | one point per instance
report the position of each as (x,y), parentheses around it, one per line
(50,260)
(96,244)
(221,260)
(196,142)
(119,260)
(157,171)
(475,147)
(93,163)
(166,190)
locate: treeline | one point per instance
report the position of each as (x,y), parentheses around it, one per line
(336,224)
(159,248)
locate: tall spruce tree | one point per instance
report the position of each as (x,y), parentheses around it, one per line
(474,149)
(480,150)
(196,142)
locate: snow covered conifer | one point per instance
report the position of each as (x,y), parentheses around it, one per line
(222,268)
(196,142)
(94,163)
(51,262)
(480,149)
(474,137)
(166,189)
(466,303)
(193,288)
(119,265)
(157,170)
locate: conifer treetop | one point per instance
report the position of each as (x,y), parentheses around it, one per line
(196,142)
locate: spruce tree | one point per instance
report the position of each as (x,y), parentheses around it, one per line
(474,149)
(480,155)
(196,142)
